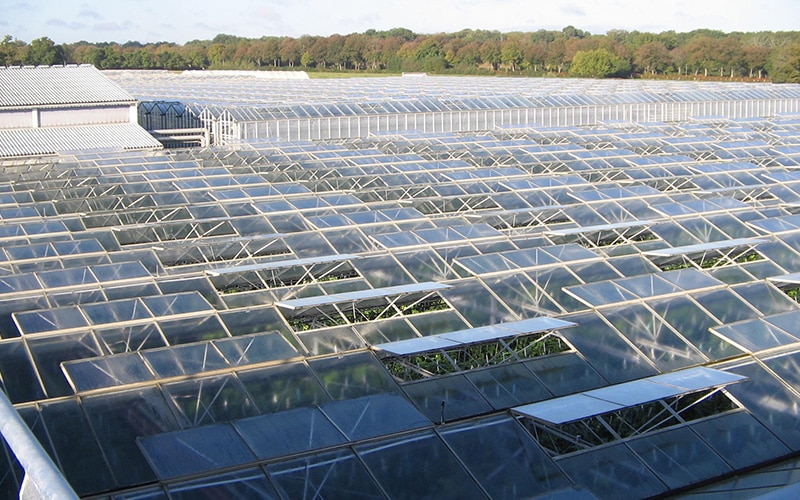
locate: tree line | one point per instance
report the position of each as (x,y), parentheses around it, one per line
(570,51)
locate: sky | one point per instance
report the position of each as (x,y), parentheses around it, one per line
(180,21)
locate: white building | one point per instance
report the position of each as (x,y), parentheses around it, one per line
(49,109)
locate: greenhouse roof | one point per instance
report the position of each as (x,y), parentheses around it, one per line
(259,99)
(408,314)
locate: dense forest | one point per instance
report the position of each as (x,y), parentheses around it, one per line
(708,54)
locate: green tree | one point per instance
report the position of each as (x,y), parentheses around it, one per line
(573,32)
(429,48)
(404,33)
(469,54)
(112,57)
(335,53)
(290,51)
(259,52)
(702,52)
(45,52)
(374,52)
(430,55)
(756,59)
(399,49)
(556,54)
(652,57)
(220,53)
(535,54)
(318,52)
(491,53)
(11,53)
(599,63)
(511,54)
(195,56)
(784,64)
(353,50)
(306,60)
(272,50)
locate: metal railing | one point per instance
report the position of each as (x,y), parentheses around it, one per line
(42,477)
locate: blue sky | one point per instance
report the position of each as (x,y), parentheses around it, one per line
(179,21)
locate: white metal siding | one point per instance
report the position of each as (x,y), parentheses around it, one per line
(15,118)
(84,116)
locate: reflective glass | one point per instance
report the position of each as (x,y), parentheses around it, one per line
(510,464)
(603,470)
(447,398)
(679,457)
(421,466)
(337,474)
(249,483)
(196,450)
(288,432)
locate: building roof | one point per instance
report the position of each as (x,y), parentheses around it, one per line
(52,140)
(57,85)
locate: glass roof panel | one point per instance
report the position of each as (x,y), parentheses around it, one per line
(50,320)
(283,387)
(740,438)
(181,360)
(116,311)
(180,303)
(447,398)
(506,386)
(434,468)
(239,484)
(605,349)
(196,450)
(647,286)
(754,335)
(85,375)
(335,474)
(601,293)
(498,439)
(288,432)
(256,348)
(373,416)
(602,471)
(666,454)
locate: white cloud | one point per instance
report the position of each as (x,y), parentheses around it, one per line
(572,9)
(90,14)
